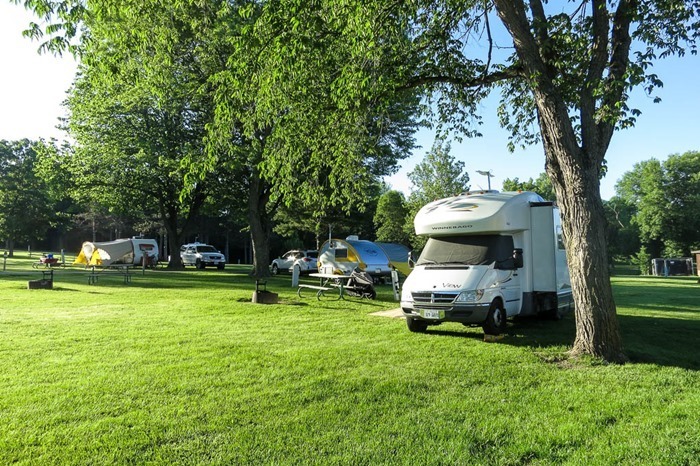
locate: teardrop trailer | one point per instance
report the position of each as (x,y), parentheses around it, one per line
(489,256)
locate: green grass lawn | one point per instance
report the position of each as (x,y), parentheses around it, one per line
(180,368)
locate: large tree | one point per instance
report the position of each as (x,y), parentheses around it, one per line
(135,144)
(288,143)
(666,198)
(542,186)
(314,153)
(437,176)
(25,207)
(576,69)
(566,84)
(390,218)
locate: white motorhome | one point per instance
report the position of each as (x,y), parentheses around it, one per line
(489,256)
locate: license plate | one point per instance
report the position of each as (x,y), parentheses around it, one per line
(431,314)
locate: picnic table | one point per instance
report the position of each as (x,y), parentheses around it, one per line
(327,282)
(120,269)
(48,262)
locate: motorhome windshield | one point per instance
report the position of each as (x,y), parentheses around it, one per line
(467,250)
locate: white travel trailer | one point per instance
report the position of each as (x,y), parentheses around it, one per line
(129,251)
(489,256)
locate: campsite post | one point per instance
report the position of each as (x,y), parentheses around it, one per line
(4,260)
(296,270)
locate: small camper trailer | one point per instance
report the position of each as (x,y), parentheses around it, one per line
(377,259)
(118,252)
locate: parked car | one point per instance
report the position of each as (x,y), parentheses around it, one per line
(306,260)
(200,255)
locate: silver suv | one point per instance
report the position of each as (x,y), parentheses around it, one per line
(306,260)
(200,255)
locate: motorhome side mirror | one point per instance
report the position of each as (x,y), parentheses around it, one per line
(411,262)
(518,258)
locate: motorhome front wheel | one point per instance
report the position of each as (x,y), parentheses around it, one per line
(495,323)
(415,325)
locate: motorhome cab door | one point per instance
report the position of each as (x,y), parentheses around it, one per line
(512,291)
(509,277)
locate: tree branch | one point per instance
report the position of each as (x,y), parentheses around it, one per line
(621,42)
(512,72)
(599,56)
(558,135)
(488,35)
(539,24)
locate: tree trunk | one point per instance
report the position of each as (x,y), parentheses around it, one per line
(175,262)
(583,222)
(575,177)
(259,225)
(574,172)
(169,218)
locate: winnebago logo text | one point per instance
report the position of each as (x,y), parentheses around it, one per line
(451,227)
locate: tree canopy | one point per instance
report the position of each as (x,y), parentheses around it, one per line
(542,186)
(138,113)
(181,90)
(26,210)
(390,218)
(666,199)
(437,176)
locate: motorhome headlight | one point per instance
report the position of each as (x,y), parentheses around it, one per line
(470,296)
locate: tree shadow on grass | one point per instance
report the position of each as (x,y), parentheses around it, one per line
(666,341)
(522,331)
(663,341)
(62,289)
(539,332)
(660,320)
(453,333)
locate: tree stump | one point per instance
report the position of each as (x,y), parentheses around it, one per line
(43,284)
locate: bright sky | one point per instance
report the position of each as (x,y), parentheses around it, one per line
(669,127)
(32,87)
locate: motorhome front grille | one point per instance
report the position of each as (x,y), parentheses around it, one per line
(434,298)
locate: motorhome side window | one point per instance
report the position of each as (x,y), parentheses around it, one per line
(560,238)
(468,250)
